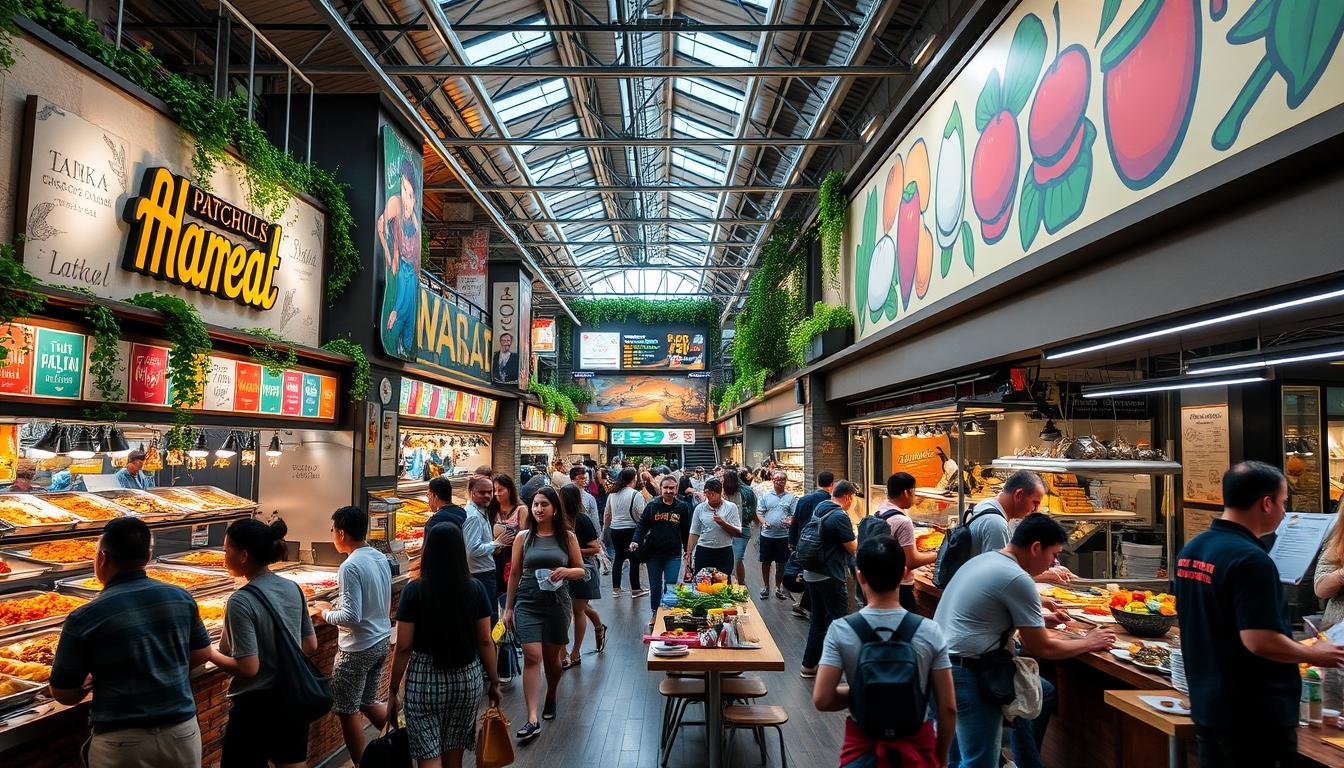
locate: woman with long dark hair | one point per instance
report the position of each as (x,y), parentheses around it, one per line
(260,730)
(589,588)
(545,551)
(625,505)
(506,515)
(443,639)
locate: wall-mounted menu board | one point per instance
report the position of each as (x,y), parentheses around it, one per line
(431,401)
(1205,452)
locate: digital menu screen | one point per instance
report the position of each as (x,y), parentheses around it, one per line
(673,349)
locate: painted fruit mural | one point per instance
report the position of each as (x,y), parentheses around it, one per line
(1300,39)
(949,202)
(997,158)
(1150,72)
(1060,139)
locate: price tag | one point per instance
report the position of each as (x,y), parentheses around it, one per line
(200,535)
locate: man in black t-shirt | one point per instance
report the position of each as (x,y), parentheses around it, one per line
(1240,658)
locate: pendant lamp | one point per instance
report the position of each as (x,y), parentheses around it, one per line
(82,447)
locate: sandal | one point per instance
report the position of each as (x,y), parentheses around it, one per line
(601,633)
(570,661)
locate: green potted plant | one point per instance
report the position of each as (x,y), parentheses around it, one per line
(580,396)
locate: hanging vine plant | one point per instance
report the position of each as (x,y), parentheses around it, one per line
(271,175)
(18,298)
(359,379)
(188,359)
(553,401)
(104,361)
(825,317)
(831,208)
(277,355)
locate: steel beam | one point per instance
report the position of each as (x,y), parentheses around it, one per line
(613,72)
(713,188)
(645,243)
(639,141)
(640,26)
(631,222)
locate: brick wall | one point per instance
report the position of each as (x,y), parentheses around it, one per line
(825,439)
(508,440)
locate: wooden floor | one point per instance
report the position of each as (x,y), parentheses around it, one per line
(609,708)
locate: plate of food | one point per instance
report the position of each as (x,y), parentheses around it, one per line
(1168,704)
(1121,654)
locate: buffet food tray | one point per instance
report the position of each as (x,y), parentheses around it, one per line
(312,579)
(36,668)
(53,566)
(180,558)
(79,586)
(21,567)
(27,693)
(28,626)
(212,605)
(146,505)
(80,504)
(54,518)
(204,498)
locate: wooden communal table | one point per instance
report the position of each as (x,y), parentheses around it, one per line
(1177,728)
(713,662)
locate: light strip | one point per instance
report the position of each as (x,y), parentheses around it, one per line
(1264,360)
(1167,385)
(1190,326)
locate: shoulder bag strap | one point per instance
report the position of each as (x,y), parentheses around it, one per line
(280,627)
(630,510)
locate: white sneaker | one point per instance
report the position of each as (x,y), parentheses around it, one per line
(639,593)
(617,592)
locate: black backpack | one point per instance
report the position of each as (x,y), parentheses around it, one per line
(876,525)
(958,547)
(811,550)
(887,697)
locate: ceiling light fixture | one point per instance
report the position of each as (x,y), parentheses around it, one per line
(1284,355)
(1171,383)
(229,448)
(1050,432)
(117,447)
(198,449)
(83,447)
(50,444)
(974,429)
(1334,292)
(273,450)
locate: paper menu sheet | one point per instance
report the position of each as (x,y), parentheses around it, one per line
(1296,543)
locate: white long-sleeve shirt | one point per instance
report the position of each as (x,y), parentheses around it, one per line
(361,615)
(479,539)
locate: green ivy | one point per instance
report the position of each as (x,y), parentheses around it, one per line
(359,379)
(825,317)
(553,401)
(270,174)
(576,394)
(18,296)
(188,360)
(277,355)
(831,207)
(104,361)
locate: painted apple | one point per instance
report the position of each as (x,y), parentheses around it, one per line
(1150,71)
(1061,99)
(891,193)
(949,204)
(881,271)
(994,171)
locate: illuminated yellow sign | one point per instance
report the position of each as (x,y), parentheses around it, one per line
(163,246)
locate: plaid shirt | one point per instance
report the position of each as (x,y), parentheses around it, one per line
(136,640)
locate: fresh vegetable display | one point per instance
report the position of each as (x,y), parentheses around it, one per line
(1142,602)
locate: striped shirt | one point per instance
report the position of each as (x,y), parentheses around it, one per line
(136,640)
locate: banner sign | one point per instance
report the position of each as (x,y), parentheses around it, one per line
(447,336)
(398,232)
(652,436)
(112,215)
(431,401)
(56,364)
(507,365)
(634,347)
(471,267)
(536,420)
(543,335)
(588,431)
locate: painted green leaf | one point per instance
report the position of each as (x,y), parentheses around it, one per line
(1303,36)
(1131,33)
(990,102)
(953,122)
(945,264)
(1065,197)
(968,245)
(864,256)
(893,296)
(1108,11)
(1253,25)
(1029,212)
(1025,58)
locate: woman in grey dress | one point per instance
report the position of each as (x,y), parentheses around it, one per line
(540,617)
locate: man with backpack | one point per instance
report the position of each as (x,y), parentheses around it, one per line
(802,513)
(893,661)
(891,518)
(991,597)
(825,548)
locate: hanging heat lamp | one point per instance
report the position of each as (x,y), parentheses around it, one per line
(117,447)
(1050,432)
(50,444)
(198,449)
(974,429)
(82,447)
(273,450)
(229,448)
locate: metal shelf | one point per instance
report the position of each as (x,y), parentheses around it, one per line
(1095,466)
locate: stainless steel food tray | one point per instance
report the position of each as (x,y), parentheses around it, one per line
(22,698)
(52,565)
(176,559)
(21,568)
(72,586)
(166,511)
(28,626)
(35,502)
(87,523)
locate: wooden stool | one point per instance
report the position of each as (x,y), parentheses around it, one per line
(756,718)
(681,692)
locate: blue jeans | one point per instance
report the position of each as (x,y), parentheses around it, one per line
(829,602)
(663,573)
(405,302)
(979,739)
(1028,735)
(740,545)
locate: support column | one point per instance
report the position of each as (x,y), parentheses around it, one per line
(508,436)
(824,437)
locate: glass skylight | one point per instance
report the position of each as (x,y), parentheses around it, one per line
(694,200)
(591,210)
(533,98)
(502,46)
(710,92)
(689,126)
(699,164)
(573,161)
(559,200)
(717,50)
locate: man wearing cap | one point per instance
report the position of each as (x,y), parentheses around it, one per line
(133,475)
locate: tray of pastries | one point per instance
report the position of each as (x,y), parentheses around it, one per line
(65,555)
(191,579)
(29,514)
(181,497)
(206,498)
(211,559)
(33,609)
(143,503)
(94,510)
(30,658)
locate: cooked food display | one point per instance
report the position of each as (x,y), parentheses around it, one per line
(1144,602)
(203,559)
(36,608)
(10,686)
(72,551)
(216,498)
(929,541)
(212,610)
(40,649)
(87,507)
(141,502)
(26,670)
(183,579)
(23,514)
(1097,598)
(1152,655)
(185,499)
(311,582)
(4,567)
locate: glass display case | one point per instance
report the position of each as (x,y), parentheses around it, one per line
(1302,448)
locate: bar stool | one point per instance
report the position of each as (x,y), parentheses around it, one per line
(680,692)
(755,718)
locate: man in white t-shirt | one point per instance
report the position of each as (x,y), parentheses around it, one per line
(880,564)
(775,511)
(895,511)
